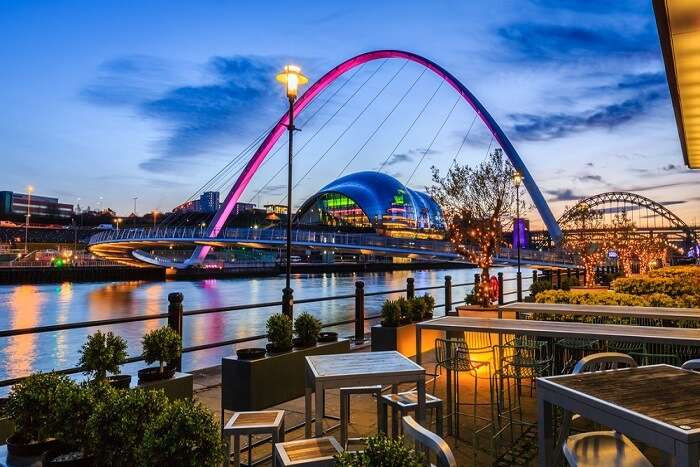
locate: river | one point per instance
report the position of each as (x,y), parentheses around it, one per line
(23,306)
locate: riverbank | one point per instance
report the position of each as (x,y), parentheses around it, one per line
(49,275)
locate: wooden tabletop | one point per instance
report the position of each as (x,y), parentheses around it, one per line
(619,332)
(361,363)
(656,394)
(606,310)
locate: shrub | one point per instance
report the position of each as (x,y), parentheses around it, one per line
(184,434)
(381,451)
(540,286)
(307,328)
(118,423)
(426,304)
(70,413)
(406,307)
(279,332)
(568,282)
(31,404)
(643,285)
(101,354)
(615,298)
(470,298)
(391,313)
(161,345)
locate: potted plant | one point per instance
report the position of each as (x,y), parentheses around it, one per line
(279,333)
(397,330)
(406,307)
(103,353)
(391,314)
(384,451)
(184,434)
(427,303)
(160,345)
(6,425)
(73,407)
(307,329)
(30,406)
(118,423)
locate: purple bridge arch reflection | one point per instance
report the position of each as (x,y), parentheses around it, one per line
(273,136)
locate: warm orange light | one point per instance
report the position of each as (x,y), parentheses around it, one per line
(517,179)
(292,78)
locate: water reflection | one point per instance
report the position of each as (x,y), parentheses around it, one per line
(25,306)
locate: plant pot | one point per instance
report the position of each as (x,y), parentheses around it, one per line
(402,339)
(119,381)
(179,386)
(154,374)
(273,350)
(18,447)
(7,427)
(328,337)
(252,353)
(66,457)
(300,344)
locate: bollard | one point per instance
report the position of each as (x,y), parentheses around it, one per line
(558,278)
(410,288)
(519,284)
(175,321)
(288,302)
(448,295)
(359,312)
(500,288)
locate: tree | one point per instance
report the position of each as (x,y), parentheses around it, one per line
(477,203)
(624,239)
(585,240)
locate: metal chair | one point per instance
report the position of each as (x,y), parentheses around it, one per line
(599,447)
(345,394)
(269,422)
(426,439)
(643,358)
(692,365)
(402,403)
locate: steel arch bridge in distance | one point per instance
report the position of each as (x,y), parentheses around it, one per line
(277,131)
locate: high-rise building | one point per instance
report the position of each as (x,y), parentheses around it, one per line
(15,205)
(209,201)
(242,207)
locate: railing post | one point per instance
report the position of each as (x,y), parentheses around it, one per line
(568,274)
(519,285)
(500,288)
(578,273)
(558,278)
(175,321)
(448,295)
(359,312)
(410,288)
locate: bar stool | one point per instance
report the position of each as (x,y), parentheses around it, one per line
(253,423)
(314,452)
(403,403)
(345,394)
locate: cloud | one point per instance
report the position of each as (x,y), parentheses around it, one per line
(542,127)
(590,178)
(562,194)
(399,158)
(195,118)
(588,6)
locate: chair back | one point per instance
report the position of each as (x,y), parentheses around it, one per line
(604,361)
(426,439)
(692,364)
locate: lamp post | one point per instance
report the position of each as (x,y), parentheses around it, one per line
(117,221)
(155,214)
(517,180)
(29,214)
(292,78)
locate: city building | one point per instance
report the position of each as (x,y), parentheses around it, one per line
(242,207)
(276,208)
(374,200)
(16,205)
(188,206)
(209,201)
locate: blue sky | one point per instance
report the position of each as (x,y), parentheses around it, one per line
(105,101)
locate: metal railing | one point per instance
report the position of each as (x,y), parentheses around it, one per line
(176,313)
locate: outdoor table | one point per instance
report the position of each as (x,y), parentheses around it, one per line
(556,329)
(358,369)
(656,405)
(674,314)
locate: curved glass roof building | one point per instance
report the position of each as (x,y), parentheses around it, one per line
(371,199)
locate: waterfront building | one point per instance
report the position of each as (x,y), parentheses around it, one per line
(242,207)
(209,201)
(14,206)
(276,208)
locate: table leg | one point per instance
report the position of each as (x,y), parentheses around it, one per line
(686,455)
(419,354)
(448,392)
(307,413)
(394,414)
(236,450)
(420,410)
(545,431)
(319,410)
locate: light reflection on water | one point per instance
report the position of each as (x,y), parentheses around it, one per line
(36,305)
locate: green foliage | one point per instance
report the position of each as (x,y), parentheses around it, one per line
(381,451)
(184,434)
(391,313)
(674,286)
(279,332)
(307,328)
(406,307)
(691,273)
(161,345)
(608,298)
(568,282)
(540,286)
(119,421)
(102,353)
(426,303)
(31,404)
(470,298)
(73,406)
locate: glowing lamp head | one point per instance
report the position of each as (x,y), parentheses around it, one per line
(30,188)
(517,179)
(292,78)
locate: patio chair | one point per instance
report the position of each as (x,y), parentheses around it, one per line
(427,440)
(600,447)
(643,358)
(692,365)
(627,346)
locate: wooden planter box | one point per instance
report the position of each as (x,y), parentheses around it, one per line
(271,380)
(403,339)
(180,386)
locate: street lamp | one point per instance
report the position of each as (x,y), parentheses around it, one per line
(155,214)
(517,180)
(29,214)
(117,221)
(292,78)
